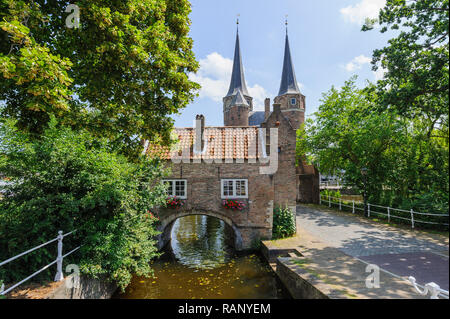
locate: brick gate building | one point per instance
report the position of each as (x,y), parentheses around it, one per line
(245,160)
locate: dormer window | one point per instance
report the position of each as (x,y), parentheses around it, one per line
(293,101)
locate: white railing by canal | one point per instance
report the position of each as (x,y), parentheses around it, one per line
(58,261)
(431,287)
(389,213)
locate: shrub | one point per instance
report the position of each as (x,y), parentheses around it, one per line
(283,223)
(68,180)
(331,193)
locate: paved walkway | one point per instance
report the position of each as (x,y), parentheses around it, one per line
(402,252)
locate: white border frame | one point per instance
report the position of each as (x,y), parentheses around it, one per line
(173,187)
(234,187)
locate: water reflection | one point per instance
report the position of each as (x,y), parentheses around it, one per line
(199,242)
(204,266)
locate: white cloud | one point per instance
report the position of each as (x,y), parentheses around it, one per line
(357,63)
(259,94)
(379,74)
(362,10)
(214,76)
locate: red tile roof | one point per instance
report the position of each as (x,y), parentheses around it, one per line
(221,143)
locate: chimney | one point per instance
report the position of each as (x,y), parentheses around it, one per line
(200,121)
(199,133)
(266,108)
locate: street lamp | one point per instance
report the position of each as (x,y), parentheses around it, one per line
(364,174)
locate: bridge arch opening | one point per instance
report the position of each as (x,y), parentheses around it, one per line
(198,231)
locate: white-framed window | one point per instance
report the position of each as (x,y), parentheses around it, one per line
(177,188)
(234,188)
(293,101)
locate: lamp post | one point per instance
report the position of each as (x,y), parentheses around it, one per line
(364,174)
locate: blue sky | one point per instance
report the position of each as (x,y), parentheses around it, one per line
(326,43)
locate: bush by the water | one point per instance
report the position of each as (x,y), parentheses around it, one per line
(283,223)
(69,180)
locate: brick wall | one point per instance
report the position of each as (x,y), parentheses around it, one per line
(204,194)
(285,183)
(295,113)
(236,116)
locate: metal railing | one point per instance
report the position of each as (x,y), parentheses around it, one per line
(58,261)
(431,287)
(331,184)
(389,210)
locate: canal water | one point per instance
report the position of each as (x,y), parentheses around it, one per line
(202,265)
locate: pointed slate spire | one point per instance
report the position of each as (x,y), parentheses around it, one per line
(239,99)
(288,80)
(237,76)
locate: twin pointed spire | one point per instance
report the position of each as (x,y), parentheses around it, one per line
(288,80)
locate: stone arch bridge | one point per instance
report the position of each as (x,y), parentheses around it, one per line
(244,236)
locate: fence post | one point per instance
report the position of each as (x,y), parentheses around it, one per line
(329,201)
(320,198)
(340,205)
(353,206)
(368,210)
(412,218)
(2,288)
(389,214)
(59,260)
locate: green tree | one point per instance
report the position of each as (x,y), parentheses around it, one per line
(69,180)
(420,177)
(346,135)
(405,168)
(416,86)
(119,75)
(416,82)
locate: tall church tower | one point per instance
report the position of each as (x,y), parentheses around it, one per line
(292,102)
(237,103)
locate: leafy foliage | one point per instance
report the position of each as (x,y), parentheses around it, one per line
(119,75)
(69,180)
(405,168)
(416,86)
(347,135)
(416,82)
(283,223)
(327,192)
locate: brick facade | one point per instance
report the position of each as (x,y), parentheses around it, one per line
(295,113)
(204,197)
(236,115)
(308,183)
(285,183)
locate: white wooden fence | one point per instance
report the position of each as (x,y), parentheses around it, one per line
(58,261)
(389,212)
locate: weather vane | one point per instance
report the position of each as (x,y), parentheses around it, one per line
(286,22)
